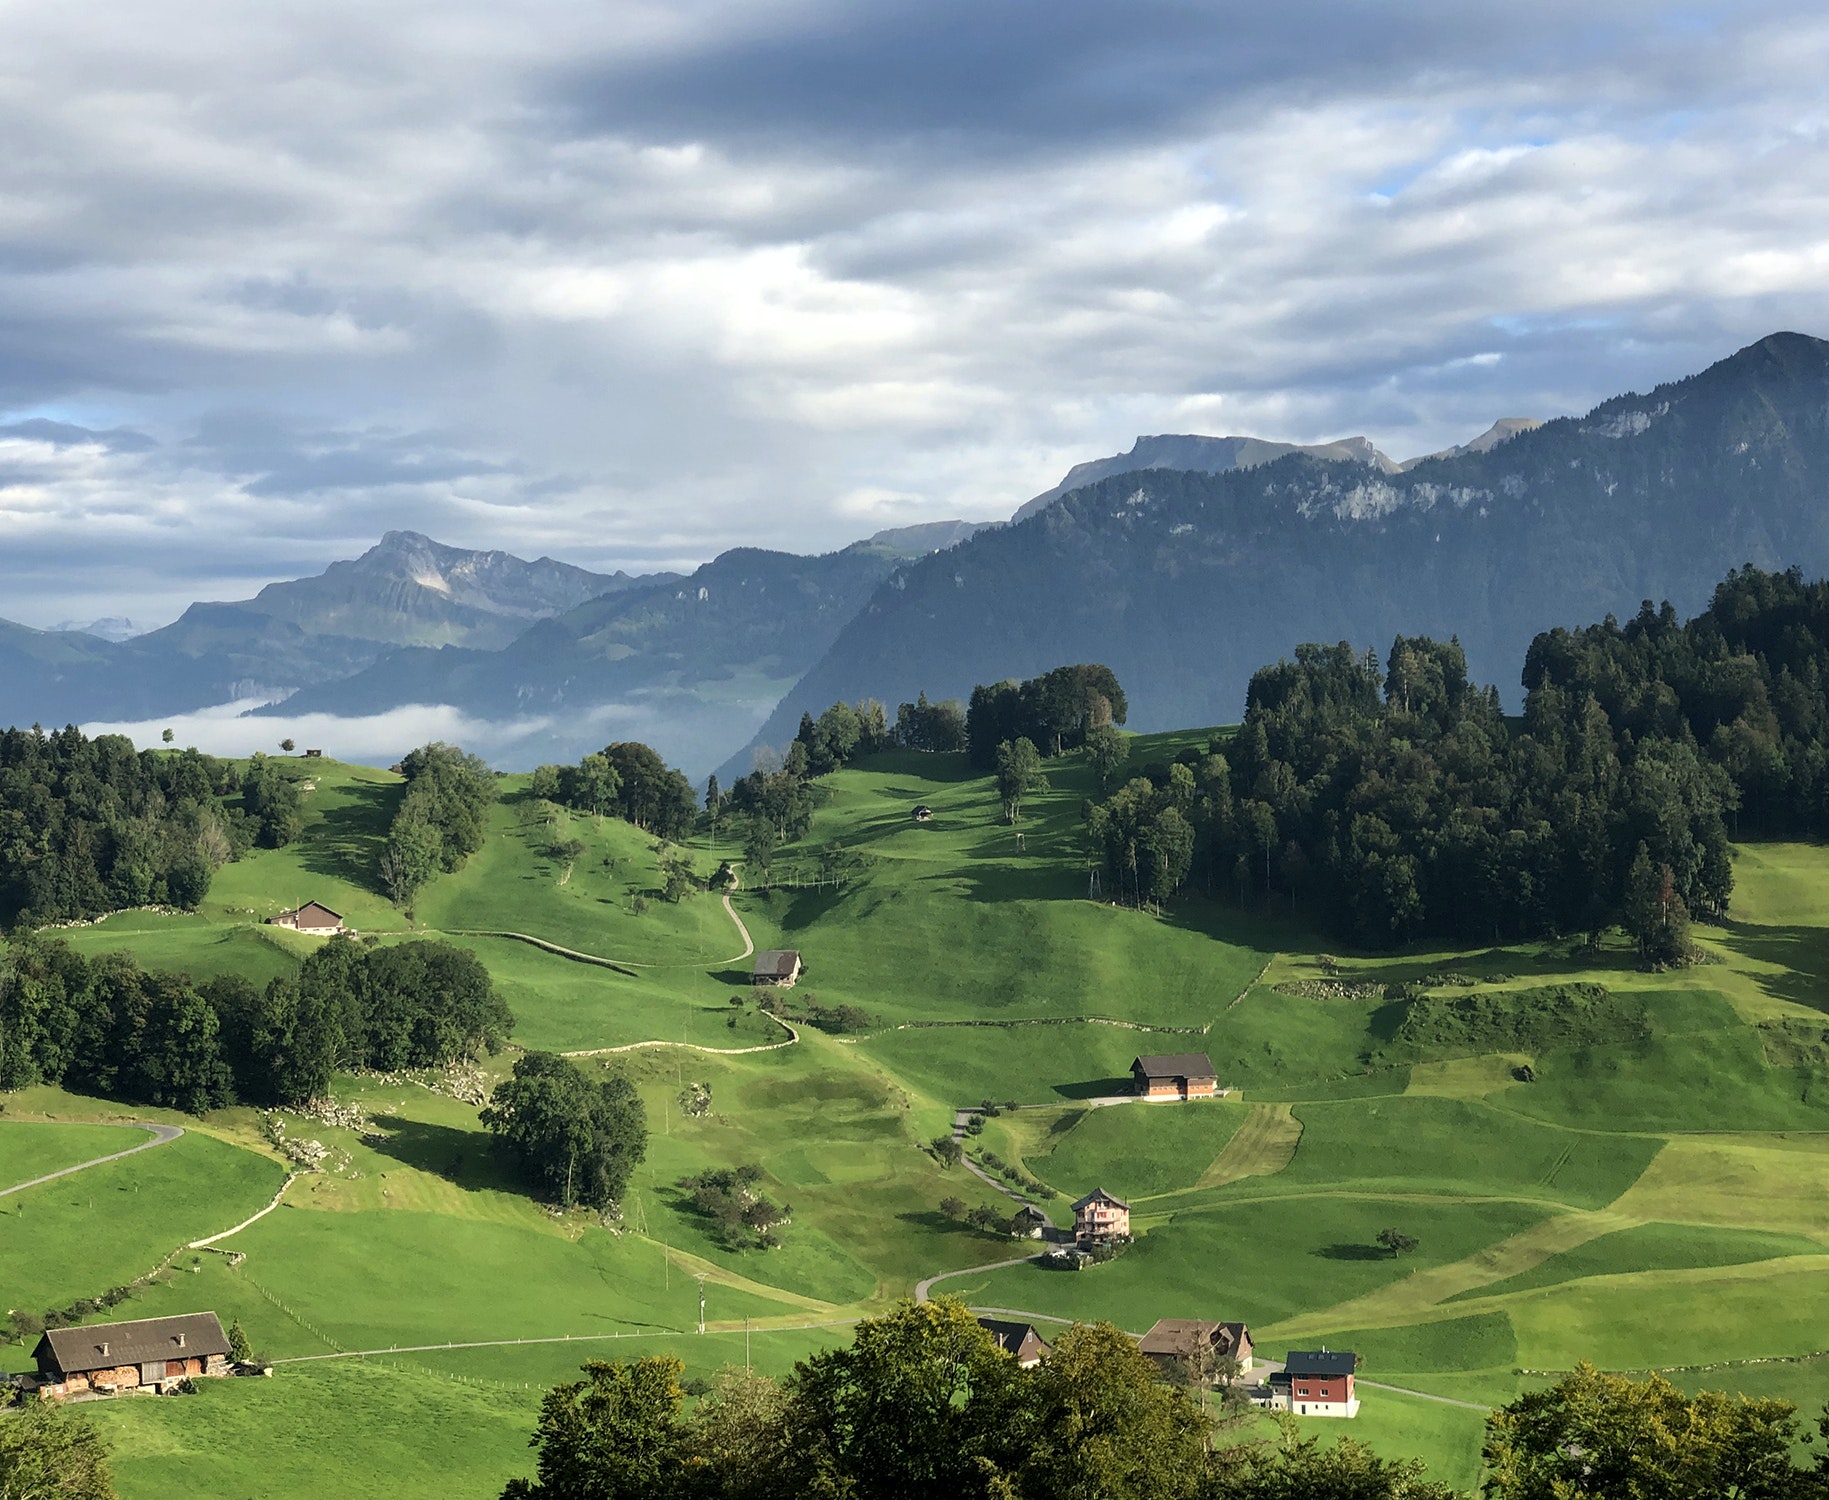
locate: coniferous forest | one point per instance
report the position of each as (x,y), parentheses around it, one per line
(1394,800)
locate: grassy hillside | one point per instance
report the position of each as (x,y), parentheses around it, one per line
(1653,1197)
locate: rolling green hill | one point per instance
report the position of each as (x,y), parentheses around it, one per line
(1654,1198)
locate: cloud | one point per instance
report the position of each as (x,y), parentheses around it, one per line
(633,283)
(381,739)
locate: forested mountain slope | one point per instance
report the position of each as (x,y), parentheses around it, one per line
(1185,583)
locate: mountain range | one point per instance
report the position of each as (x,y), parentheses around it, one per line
(1183,564)
(1185,582)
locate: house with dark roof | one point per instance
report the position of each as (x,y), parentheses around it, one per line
(1175,1075)
(1178,1343)
(313,917)
(1316,1383)
(777,966)
(1018,1340)
(148,1354)
(1099,1217)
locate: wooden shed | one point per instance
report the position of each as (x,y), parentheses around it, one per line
(777,966)
(313,917)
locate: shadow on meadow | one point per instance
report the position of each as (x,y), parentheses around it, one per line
(1803,953)
(349,837)
(465,1158)
(1352,1252)
(1095,1088)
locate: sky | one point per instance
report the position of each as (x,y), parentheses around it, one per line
(630,283)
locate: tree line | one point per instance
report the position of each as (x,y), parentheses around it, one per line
(579,1137)
(90,826)
(441,821)
(626,780)
(1395,801)
(924,1403)
(106,1026)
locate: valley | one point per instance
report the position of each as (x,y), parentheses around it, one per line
(1643,1197)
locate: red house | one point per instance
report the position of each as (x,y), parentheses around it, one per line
(1316,1383)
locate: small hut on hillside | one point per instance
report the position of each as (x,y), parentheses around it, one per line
(313,917)
(777,966)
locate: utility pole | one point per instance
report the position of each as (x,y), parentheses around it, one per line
(701,1302)
(746,1344)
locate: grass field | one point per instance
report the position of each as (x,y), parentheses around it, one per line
(29,1151)
(1654,1202)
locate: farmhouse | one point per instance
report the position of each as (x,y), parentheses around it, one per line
(313,917)
(1316,1383)
(1175,1075)
(150,1354)
(1099,1216)
(1017,1339)
(1173,1342)
(1030,1222)
(778,967)
(923,814)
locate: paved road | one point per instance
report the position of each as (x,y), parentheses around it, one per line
(924,1288)
(160,1135)
(1404,1390)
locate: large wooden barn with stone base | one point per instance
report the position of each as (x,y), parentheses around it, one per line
(1175,1075)
(151,1354)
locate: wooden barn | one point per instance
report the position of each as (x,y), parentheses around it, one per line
(313,917)
(777,966)
(1174,1342)
(150,1354)
(1175,1075)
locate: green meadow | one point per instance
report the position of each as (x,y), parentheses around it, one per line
(1654,1202)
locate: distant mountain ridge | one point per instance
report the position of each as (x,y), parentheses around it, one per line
(1194,454)
(692,665)
(1185,582)
(408,590)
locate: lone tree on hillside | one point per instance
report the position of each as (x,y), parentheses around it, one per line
(1396,1241)
(1019,772)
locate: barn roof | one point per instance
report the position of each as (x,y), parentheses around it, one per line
(1011,1336)
(102,1346)
(1174,1065)
(776,963)
(1180,1335)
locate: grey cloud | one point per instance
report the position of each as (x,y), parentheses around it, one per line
(631,285)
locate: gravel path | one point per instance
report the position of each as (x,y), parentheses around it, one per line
(161,1134)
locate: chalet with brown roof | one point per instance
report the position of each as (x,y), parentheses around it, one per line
(1099,1217)
(1175,1075)
(149,1354)
(1019,1340)
(1175,1343)
(313,917)
(779,967)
